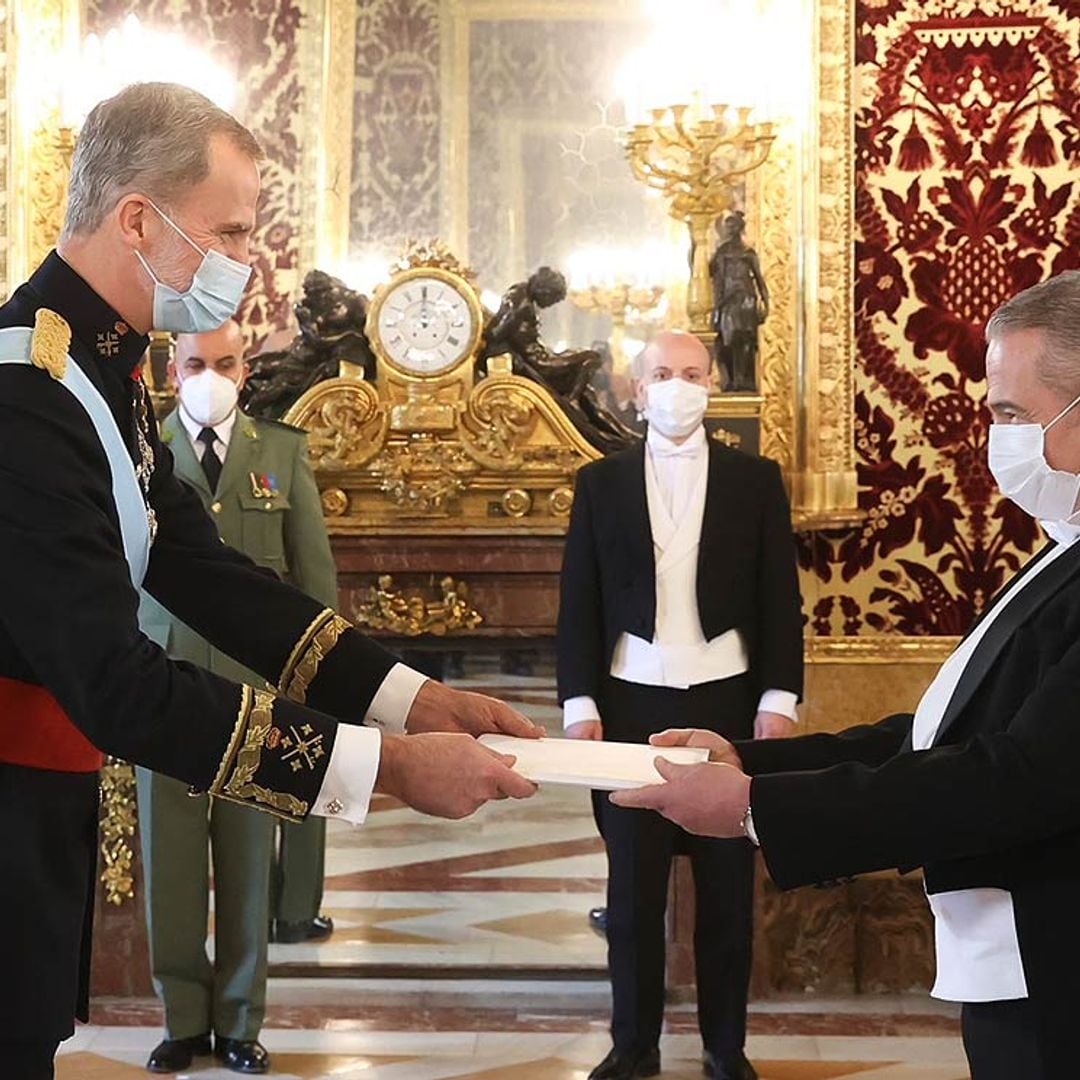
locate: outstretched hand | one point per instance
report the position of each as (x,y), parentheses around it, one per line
(707,799)
(720,750)
(447,775)
(440,708)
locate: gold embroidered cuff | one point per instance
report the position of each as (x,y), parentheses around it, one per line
(238,776)
(310,651)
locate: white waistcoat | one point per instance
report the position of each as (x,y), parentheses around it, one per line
(678,656)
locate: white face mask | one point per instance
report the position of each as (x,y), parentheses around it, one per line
(208,398)
(675,407)
(212,298)
(1018,463)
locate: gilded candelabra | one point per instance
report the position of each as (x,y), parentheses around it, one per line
(694,155)
(619,301)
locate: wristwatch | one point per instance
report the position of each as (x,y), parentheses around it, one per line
(748,827)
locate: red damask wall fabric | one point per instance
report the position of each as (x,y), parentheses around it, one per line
(967,144)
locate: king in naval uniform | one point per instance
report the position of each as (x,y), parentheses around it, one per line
(161,206)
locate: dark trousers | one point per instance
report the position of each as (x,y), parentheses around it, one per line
(1000,1041)
(640,846)
(27,1060)
(48,872)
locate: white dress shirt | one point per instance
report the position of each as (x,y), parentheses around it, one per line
(223,431)
(679,656)
(354,762)
(978,954)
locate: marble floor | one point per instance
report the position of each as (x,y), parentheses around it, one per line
(354,1029)
(462,950)
(414,895)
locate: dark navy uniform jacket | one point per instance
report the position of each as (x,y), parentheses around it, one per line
(69,638)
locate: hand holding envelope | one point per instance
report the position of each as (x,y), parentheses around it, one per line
(605,766)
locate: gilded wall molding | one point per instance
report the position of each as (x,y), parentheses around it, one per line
(883,649)
(7,43)
(333,160)
(772,208)
(38,31)
(824,487)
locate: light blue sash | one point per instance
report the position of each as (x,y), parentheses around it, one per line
(130,507)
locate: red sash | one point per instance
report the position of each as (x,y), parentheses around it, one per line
(35,731)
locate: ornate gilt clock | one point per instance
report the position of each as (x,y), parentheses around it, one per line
(425,321)
(433,441)
(425,325)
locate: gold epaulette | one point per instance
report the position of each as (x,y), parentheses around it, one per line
(50,343)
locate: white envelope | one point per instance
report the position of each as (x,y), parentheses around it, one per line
(606,766)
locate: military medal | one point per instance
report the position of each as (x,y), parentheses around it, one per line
(144,466)
(263,485)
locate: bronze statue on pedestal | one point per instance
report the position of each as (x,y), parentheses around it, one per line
(740,304)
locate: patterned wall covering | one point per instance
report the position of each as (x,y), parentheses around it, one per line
(395,182)
(5,142)
(259,39)
(966,130)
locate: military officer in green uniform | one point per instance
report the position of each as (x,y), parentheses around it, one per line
(253,476)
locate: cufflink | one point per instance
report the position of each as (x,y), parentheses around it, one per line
(335,806)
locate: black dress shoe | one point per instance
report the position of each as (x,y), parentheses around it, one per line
(729,1068)
(292,933)
(620,1066)
(241,1055)
(172,1055)
(598,920)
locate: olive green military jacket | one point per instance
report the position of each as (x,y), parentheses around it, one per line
(267,506)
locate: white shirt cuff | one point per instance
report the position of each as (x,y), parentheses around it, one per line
(390,706)
(780,701)
(350,776)
(751,832)
(576,710)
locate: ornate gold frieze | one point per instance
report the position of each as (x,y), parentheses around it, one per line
(394,611)
(883,649)
(41,146)
(824,488)
(117,828)
(772,204)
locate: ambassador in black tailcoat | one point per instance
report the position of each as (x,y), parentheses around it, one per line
(679,600)
(161,205)
(979,786)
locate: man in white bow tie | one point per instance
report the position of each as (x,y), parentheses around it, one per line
(679,600)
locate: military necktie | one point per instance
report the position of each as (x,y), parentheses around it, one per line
(211,463)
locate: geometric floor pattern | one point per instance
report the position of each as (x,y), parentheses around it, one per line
(508,888)
(419,905)
(302,1055)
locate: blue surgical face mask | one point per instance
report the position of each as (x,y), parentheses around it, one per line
(212,298)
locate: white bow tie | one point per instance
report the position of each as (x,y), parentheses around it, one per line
(667,453)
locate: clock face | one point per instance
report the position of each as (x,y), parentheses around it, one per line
(426,326)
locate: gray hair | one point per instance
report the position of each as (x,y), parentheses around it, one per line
(153,138)
(1053,306)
